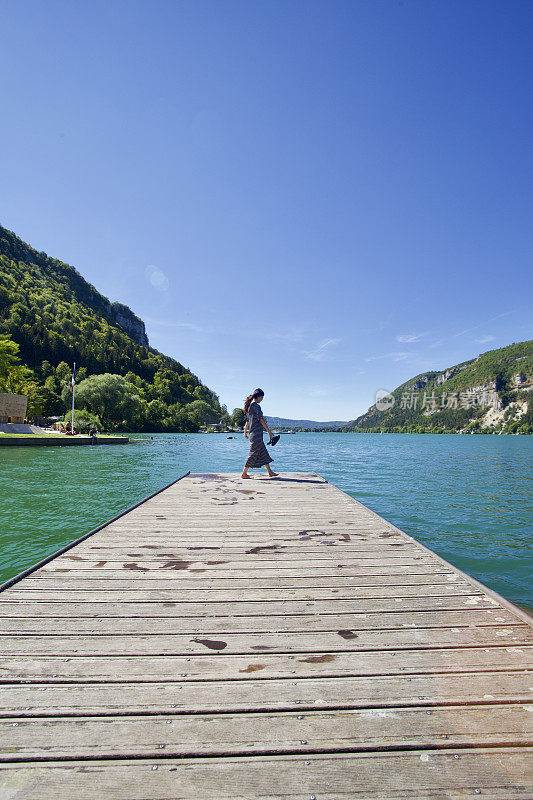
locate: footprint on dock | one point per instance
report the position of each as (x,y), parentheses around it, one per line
(213,644)
(348,634)
(252,668)
(323,659)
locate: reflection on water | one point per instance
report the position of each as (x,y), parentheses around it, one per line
(468,498)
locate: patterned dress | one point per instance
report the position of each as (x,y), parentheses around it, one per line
(258,455)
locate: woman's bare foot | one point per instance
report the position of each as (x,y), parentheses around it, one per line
(246,476)
(273,474)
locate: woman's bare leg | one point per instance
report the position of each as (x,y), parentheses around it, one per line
(270,473)
(245,474)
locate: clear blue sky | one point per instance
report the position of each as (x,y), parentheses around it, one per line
(319,198)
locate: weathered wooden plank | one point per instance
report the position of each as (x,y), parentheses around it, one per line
(272,507)
(247,559)
(282,623)
(289,531)
(235,536)
(244,561)
(287,522)
(40,583)
(210,608)
(131,562)
(375,691)
(277,506)
(252,548)
(287,527)
(322,548)
(137,570)
(261,547)
(253,643)
(141,577)
(250,545)
(83,594)
(264,733)
(497,773)
(265,665)
(283,535)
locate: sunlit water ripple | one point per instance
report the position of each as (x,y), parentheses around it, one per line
(468,498)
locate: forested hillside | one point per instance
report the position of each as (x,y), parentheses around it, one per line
(301,424)
(56,318)
(487,394)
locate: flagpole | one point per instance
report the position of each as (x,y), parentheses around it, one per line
(73,383)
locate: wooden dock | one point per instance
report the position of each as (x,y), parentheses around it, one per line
(236,639)
(58,440)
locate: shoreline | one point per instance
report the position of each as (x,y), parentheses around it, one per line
(60,440)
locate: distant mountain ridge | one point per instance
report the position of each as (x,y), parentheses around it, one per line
(489,394)
(282,422)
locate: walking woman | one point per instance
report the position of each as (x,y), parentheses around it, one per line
(253,430)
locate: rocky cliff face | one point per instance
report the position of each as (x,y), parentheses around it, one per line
(493,388)
(131,324)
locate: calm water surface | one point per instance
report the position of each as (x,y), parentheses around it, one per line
(468,498)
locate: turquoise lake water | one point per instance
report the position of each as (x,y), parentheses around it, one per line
(468,498)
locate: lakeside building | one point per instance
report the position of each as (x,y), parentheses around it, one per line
(13,407)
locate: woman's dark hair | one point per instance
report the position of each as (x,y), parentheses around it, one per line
(256,394)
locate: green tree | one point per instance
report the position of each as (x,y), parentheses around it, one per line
(110,396)
(47,369)
(238,418)
(201,413)
(51,383)
(8,355)
(15,378)
(51,403)
(63,371)
(155,413)
(83,420)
